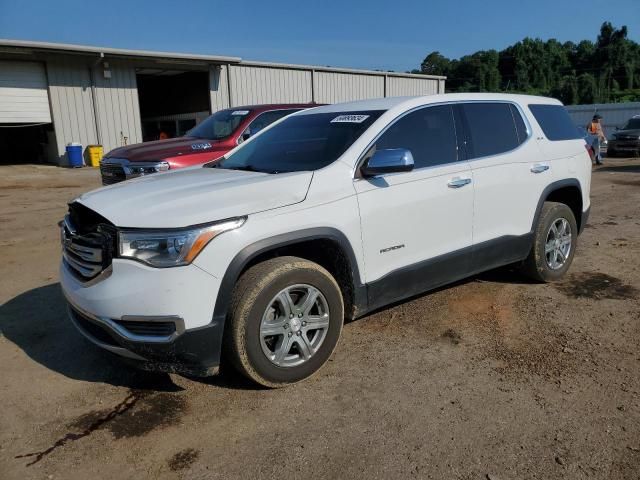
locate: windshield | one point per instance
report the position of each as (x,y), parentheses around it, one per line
(219,125)
(301,142)
(633,124)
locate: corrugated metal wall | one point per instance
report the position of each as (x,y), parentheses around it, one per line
(400,86)
(256,85)
(613,114)
(334,87)
(71,103)
(117,105)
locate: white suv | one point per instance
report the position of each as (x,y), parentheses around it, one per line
(255,262)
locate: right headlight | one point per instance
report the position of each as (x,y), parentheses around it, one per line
(171,248)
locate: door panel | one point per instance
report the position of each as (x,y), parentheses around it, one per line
(411,217)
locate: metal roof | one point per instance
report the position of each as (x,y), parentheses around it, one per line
(71,48)
(16,46)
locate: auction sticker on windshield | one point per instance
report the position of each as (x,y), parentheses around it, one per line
(240,112)
(350,119)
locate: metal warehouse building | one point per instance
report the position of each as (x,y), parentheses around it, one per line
(53,94)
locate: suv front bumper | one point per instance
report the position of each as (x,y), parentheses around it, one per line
(159,319)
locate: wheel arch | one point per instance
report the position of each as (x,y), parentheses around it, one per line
(326,246)
(567,191)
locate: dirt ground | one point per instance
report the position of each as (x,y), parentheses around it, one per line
(494,377)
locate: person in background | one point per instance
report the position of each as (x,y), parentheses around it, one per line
(594,129)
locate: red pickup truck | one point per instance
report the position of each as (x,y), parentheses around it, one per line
(207,141)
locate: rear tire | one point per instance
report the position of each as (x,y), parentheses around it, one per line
(285,320)
(554,243)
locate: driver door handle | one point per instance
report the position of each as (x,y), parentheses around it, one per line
(458,182)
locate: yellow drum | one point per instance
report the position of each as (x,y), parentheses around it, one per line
(95,154)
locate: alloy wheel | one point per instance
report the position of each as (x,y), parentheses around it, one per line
(294,325)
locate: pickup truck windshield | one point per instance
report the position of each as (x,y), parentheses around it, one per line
(633,124)
(219,125)
(301,142)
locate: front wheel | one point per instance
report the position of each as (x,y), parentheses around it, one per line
(285,321)
(554,243)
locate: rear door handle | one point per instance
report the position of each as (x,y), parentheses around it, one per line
(539,168)
(458,182)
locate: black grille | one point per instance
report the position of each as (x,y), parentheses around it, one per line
(155,329)
(88,242)
(92,329)
(112,173)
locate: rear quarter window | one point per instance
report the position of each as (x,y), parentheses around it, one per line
(555,122)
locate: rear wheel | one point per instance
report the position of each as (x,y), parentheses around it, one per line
(285,321)
(554,243)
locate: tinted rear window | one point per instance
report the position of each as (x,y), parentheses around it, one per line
(555,122)
(491,129)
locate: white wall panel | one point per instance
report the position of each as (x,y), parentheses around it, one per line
(334,87)
(255,85)
(118,110)
(71,103)
(219,87)
(401,86)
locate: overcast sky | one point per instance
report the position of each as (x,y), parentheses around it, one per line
(390,35)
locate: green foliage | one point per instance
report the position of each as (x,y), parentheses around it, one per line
(606,70)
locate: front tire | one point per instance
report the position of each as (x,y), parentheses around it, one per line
(285,321)
(554,243)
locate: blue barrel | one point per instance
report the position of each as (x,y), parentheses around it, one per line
(74,154)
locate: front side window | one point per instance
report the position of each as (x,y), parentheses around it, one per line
(220,125)
(301,142)
(555,122)
(491,128)
(429,133)
(265,119)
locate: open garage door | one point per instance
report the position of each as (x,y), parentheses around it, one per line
(23,93)
(171,101)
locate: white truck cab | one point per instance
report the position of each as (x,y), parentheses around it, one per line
(328,214)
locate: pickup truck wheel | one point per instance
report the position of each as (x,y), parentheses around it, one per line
(285,321)
(554,243)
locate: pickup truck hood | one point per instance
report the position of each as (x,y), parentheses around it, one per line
(159,149)
(195,195)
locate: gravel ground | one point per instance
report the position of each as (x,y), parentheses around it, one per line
(494,377)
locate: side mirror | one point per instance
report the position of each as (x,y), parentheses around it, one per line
(388,161)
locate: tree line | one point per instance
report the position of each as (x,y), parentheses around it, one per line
(607,70)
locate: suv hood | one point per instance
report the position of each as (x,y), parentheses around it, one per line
(159,149)
(195,195)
